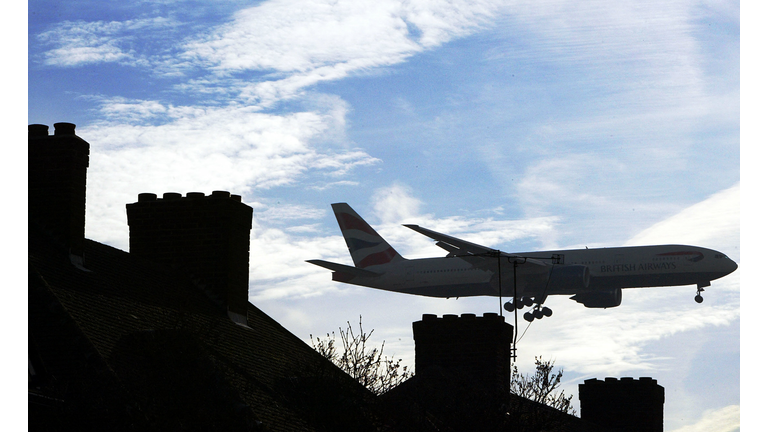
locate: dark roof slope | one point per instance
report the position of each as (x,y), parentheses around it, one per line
(441,400)
(173,358)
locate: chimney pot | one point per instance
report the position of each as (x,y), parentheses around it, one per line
(195,195)
(170,196)
(38,130)
(63,129)
(220,194)
(147,197)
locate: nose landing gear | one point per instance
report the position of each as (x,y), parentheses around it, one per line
(699,289)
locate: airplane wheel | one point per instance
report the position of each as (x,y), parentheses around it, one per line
(528,317)
(538,314)
(698,298)
(546,311)
(528,301)
(509,306)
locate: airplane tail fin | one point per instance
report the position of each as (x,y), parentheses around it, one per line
(365,245)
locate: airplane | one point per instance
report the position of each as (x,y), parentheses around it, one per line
(593,277)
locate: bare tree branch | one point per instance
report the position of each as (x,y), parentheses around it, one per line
(542,386)
(369,366)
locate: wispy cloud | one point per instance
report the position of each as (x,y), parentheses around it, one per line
(714,222)
(633,86)
(726,419)
(124,110)
(79,43)
(302,43)
(302,36)
(204,149)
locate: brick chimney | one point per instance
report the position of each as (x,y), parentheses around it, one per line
(206,236)
(467,347)
(57,167)
(623,405)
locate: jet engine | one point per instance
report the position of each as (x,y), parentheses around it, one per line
(568,278)
(599,299)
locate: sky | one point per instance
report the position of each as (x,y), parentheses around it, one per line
(518,125)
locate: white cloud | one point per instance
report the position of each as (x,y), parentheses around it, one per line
(299,36)
(726,419)
(126,110)
(79,42)
(395,203)
(203,149)
(640,41)
(613,341)
(607,161)
(439,21)
(280,270)
(302,35)
(303,42)
(714,222)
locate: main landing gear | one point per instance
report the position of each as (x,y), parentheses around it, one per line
(537,312)
(699,289)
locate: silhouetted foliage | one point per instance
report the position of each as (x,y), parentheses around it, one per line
(369,366)
(542,386)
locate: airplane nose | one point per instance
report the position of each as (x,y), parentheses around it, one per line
(731,266)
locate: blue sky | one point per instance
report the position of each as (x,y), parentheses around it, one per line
(518,125)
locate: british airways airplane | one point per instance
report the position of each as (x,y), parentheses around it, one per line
(592,277)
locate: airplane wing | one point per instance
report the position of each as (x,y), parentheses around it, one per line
(458,247)
(452,244)
(354,271)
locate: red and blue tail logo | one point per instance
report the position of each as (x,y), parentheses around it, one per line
(365,245)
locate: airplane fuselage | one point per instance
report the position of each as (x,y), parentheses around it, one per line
(609,268)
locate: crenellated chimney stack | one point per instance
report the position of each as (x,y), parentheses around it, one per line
(206,236)
(467,347)
(57,168)
(626,405)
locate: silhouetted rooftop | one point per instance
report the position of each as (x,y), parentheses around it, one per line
(170,356)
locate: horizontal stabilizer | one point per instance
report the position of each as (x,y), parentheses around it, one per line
(354,271)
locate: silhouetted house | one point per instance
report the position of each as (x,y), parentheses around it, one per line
(163,337)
